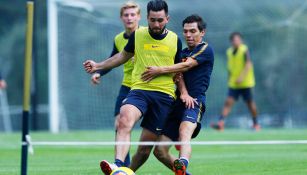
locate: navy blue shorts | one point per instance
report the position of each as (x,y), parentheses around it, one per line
(154,106)
(123,92)
(179,114)
(246,94)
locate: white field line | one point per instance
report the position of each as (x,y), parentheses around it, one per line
(79,143)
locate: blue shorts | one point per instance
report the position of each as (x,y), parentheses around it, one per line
(123,92)
(246,94)
(179,114)
(154,106)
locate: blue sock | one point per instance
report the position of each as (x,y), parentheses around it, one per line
(222,118)
(185,161)
(119,163)
(255,120)
(127,160)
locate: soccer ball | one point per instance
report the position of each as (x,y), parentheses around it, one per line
(122,171)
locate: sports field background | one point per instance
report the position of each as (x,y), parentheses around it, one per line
(206,160)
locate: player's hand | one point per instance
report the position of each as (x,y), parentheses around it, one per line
(95,78)
(150,73)
(90,66)
(2,84)
(177,77)
(188,100)
(239,80)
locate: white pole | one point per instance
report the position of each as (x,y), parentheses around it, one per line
(54,114)
(5,111)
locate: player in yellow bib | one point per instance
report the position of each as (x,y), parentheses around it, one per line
(241,80)
(130,16)
(151,46)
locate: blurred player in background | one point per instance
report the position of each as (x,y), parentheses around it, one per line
(151,46)
(183,123)
(241,80)
(130,16)
(2,82)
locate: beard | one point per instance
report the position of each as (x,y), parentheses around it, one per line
(151,30)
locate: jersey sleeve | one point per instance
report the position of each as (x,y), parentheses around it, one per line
(206,55)
(130,45)
(247,55)
(178,53)
(114,51)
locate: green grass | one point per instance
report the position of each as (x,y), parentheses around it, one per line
(206,160)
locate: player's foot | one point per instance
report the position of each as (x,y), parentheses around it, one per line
(187,172)
(218,126)
(179,167)
(107,167)
(256,127)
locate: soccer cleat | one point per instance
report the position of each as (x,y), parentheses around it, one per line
(218,126)
(256,127)
(179,167)
(107,167)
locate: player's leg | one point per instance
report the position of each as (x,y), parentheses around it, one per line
(129,115)
(185,134)
(248,98)
(162,152)
(143,152)
(123,92)
(230,100)
(189,128)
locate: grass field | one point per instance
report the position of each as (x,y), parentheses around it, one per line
(206,160)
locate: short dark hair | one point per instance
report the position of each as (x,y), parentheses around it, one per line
(233,34)
(201,24)
(157,5)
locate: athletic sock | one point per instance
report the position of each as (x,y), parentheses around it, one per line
(255,120)
(127,160)
(222,118)
(185,161)
(119,163)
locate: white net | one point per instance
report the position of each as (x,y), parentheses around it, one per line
(274,30)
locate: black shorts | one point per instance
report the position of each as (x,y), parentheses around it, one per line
(246,93)
(154,106)
(179,114)
(123,92)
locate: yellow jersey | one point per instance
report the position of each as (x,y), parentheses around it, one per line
(151,52)
(236,64)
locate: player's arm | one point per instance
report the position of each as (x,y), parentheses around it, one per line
(247,67)
(184,95)
(96,76)
(118,59)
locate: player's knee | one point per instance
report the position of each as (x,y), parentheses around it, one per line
(159,152)
(124,123)
(144,151)
(185,133)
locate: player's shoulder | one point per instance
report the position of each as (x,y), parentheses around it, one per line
(244,47)
(119,36)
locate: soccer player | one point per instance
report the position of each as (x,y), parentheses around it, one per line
(154,45)
(130,16)
(241,80)
(183,123)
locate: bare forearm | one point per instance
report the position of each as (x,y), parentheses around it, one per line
(181,85)
(180,67)
(114,61)
(247,67)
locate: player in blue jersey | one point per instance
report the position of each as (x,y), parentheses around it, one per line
(183,123)
(130,16)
